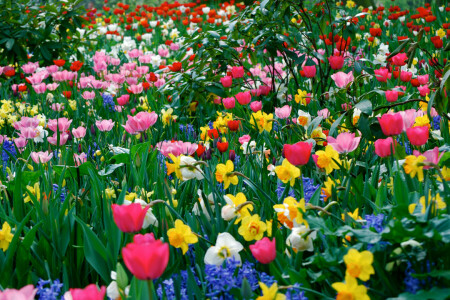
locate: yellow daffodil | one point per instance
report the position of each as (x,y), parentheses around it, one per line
(327,188)
(5,236)
(262,121)
(252,228)
(287,172)
(270,293)
(436,203)
(233,203)
(354,215)
(413,166)
(328,159)
(350,289)
(224,173)
(181,236)
(290,212)
(34,190)
(359,264)
(109,193)
(301,97)
(174,167)
(422,121)
(318,135)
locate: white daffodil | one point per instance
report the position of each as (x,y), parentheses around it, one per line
(304,118)
(189,169)
(297,242)
(226,247)
(200,204)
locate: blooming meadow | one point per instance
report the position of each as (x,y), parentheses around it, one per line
(259,150)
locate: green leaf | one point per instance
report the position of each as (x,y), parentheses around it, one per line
(9,44)
(122,278)
(434,293)
(365,106)
(336,124)
(109,169)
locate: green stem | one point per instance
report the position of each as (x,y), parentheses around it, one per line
(150,289)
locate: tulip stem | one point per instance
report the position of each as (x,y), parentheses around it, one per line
(150,289)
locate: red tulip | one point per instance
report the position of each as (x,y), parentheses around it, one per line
(391,96)
(222,146)
(336,62)
(90,292)
(297,154)
(399,59)
(129,218)
(146,257)
(418,136)
(310,71)
(383,147)
(264,250)
(391,123)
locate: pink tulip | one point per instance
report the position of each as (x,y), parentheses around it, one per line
(28,132)
(136,89)
(90,292)
(79,132)
(405,76)
(61,124)
(424,90)
(226,81)
(382,75)
(418,136)
(244,139)
(264,90)
(342,79)
(432,156)
(345,142)
(336,62)
(391,96)
(324,113)
(105,125)
(40,88)
(283,112)
(229,103)
(30,67)
(298,154)
(140,122)
(423,79)
(146,257)
(237,72)
(310,71)
(123,100)
(63,137)
(21,143)
(264,250)
(176,148)
(256,106)
(384,147)
(88,95)
(244,98)
(26,122)
(409,117)
(391,123)
(41,157)
(26,293)
(79,159)
(129,218)
(399,59)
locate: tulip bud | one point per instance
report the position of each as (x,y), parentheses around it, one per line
(232,155)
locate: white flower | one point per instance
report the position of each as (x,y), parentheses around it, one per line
(196,208)
(226,247)
(112,291)
(188,168)
(248,147)
(304,118)
(153,23)
(156,61)
(298,243)
(41,133)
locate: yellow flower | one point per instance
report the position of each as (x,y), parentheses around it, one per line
(167,116)
(262,121)
(287,172)
(224,173)
(354,215)
(422,121)
(412,166)
(269,227)
(5,236)
(445,173)
(252,228)
(73,104)
(34,190)
(174,167)
(270,293)
(441,33)
(327,188)
(436,202)
(359,264)
(318,135)
(290,212)
(350,4)
(350,289)
(328,159)
(245,210)
(181,236)
(109,193)
(131,196)
(301,97)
